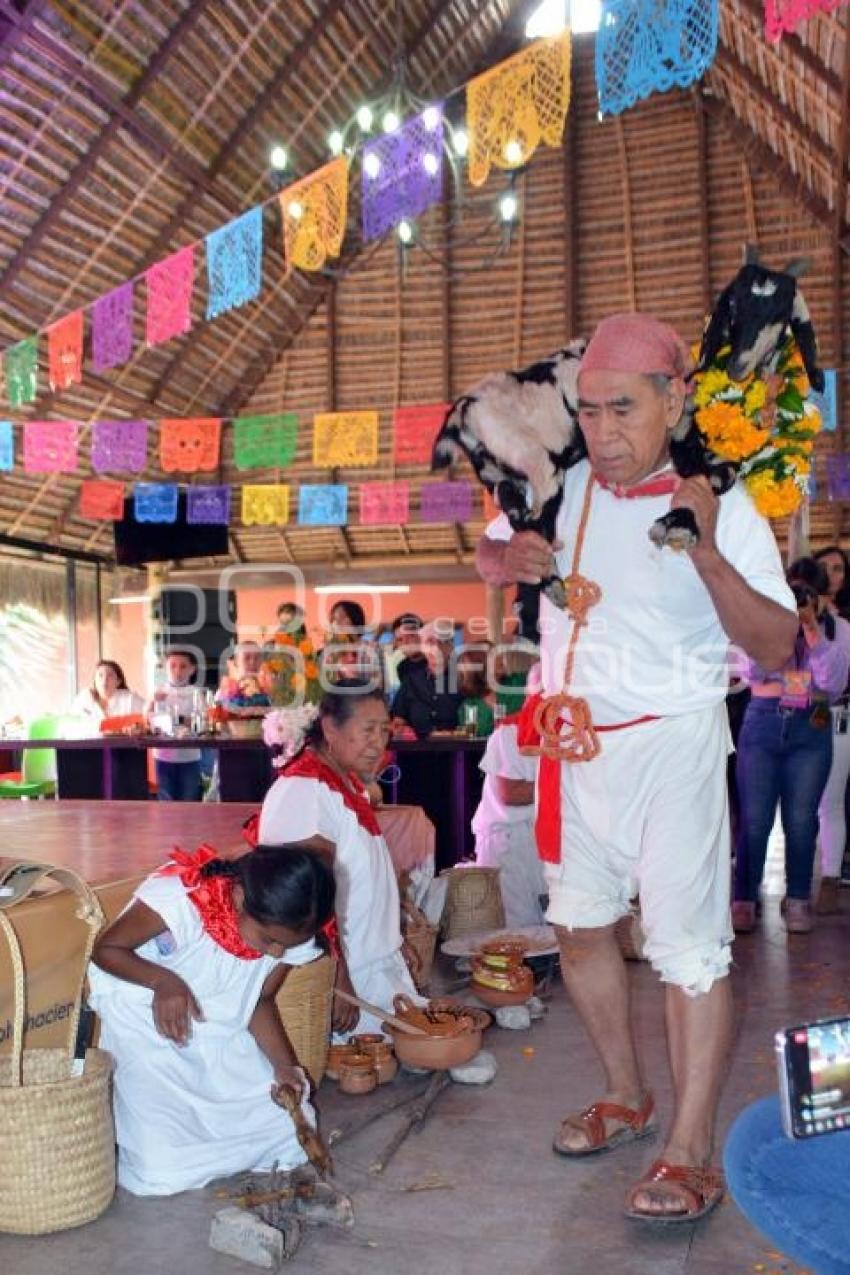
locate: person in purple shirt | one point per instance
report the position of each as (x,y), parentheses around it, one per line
(785,752)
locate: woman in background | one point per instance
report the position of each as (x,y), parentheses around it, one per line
(108,695)
(785,751)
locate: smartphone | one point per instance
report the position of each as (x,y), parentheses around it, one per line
(813,1061)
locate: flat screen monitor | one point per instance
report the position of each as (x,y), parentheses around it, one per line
(139,542)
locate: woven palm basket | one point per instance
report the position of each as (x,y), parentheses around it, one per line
(473,902)
(422,937)
(304,1004)
(57,1143)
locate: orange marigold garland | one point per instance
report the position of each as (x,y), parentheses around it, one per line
(764,424)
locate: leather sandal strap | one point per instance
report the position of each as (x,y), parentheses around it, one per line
(634,1117)
(696,1183)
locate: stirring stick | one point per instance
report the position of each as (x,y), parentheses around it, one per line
(380,1013)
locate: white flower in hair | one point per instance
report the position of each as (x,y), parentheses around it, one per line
(285,728)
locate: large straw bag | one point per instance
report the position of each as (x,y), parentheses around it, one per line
(57,1143)
(304,1004)
(473,902)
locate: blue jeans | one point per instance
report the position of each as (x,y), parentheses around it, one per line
(178,780)
(781,758)
(797,1193)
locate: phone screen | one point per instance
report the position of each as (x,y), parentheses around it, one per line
(817,1059)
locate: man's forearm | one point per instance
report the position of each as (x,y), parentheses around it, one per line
(490,561)
(763,628)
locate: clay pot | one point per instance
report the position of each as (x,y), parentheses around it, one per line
(440,1018)
(357,1074)
(380,1050)
(337,1054)
(368,1043)
(498,987)
(436,1053)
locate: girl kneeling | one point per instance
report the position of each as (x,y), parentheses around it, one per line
(184,982)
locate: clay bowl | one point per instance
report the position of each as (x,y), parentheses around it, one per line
(439,1018)
(436,1053)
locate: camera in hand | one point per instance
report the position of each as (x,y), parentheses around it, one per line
(814,1077)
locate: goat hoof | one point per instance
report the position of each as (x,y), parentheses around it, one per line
(679,539)
(556,593)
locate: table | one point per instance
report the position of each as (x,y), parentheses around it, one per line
(114,767)
(108,843)
(441,774)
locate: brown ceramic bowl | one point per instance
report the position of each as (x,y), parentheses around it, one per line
(435,1053)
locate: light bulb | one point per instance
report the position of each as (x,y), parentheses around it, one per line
(430,163)
(404,231)
(371,164)
(390,122)
(508,207)
(295,210)
(364,118)
(513,152)
(431,118)
(460,142)
(278,158)
(335,142)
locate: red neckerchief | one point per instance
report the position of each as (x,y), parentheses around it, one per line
(309,765)
(657,485)
(213,897)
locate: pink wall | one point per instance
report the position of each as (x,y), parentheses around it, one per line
(125,630)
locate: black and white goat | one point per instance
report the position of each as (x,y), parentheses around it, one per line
(753,315)
(521,434)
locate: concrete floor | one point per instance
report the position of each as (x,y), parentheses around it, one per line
(507,1205)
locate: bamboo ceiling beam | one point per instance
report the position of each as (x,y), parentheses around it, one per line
(794,46)
(767,158)
(735,67)
(840,210)
(150,134)
(269,96)
(284,337)
(105,137)
(12,35)
(702,204)
(570,229)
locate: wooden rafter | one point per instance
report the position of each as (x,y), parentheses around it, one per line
(776,109)
(702,209)
(767,158)
(840,212)
(284,337)
(12,35)
(795,47)
(269,96)
(104,138)
(65,57)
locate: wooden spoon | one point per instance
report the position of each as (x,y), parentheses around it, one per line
(379,1013)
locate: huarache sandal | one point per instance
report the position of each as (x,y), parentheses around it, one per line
(634,1124)
(697,1189)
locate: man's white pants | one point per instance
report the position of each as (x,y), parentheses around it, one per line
(650,816)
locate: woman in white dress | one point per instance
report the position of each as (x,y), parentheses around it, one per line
(320,800)
(108,695)
(184,982)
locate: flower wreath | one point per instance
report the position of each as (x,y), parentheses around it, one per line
(766,425)
(284,730)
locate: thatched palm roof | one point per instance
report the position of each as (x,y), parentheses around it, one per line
(130,130)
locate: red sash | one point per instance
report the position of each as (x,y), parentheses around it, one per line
(547,823)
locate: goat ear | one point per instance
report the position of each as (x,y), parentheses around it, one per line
(797,267)
(751,254)
(717,330)
(804,335)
